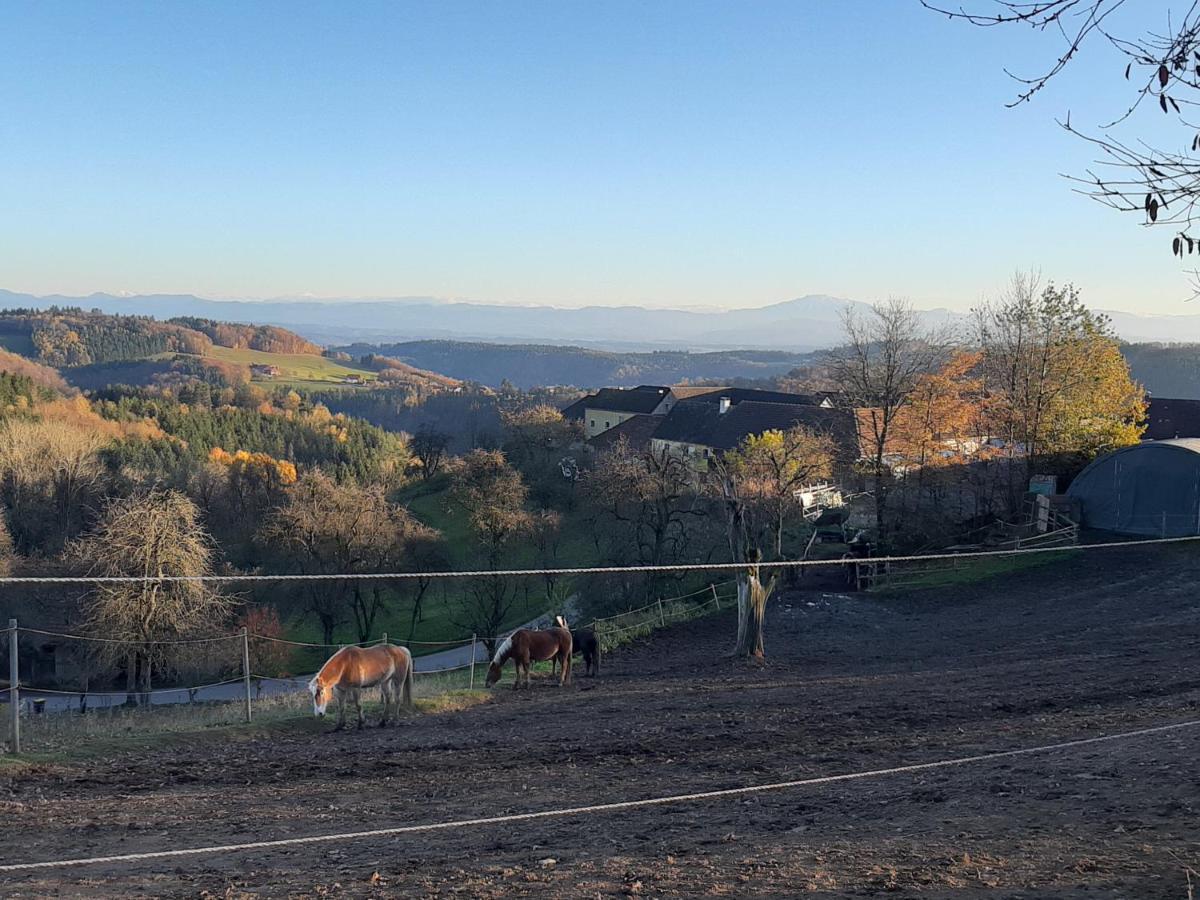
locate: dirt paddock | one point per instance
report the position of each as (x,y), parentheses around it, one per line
(1102,643)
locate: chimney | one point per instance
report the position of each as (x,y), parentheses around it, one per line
(724,408)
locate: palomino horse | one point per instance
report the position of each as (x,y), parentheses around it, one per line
(583,641)
(525,647)
(352,669)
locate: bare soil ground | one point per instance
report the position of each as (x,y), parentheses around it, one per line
(1103,643)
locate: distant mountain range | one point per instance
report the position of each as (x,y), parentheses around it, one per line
(800,325)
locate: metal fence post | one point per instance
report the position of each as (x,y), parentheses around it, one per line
(473,652)
(14,686)
(246,669)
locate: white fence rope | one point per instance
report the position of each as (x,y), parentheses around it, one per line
(582,570)
(34,689)
(602,807)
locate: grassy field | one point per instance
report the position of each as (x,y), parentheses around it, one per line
(64,737)
(295,368)
(971,570)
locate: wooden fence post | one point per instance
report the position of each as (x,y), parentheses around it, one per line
(246,669)
(716,599)
(474,637)
(383,640)
(14,686)
(662,619)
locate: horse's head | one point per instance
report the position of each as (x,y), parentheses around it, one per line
(321,694)
(494,672)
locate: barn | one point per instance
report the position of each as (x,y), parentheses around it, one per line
(1152,488)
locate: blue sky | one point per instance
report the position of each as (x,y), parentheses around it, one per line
(670,154)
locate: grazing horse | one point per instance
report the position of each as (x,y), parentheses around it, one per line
(525,647)
(583,641)
(352,669)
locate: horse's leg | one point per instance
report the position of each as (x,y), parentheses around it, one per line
(358,707)
(385,695)
(341,708)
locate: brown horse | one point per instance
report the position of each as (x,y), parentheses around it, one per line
(525,647)
(352,669)
(583,641)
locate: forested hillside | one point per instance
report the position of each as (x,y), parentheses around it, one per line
(267,338)
(1166,370)
(532,365)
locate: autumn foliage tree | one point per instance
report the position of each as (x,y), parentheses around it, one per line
(1055,380)
(770,468)
(943,415)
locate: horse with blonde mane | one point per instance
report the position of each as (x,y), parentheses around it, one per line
(525,647)
(353,669)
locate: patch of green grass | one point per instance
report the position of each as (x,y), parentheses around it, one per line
(297,368)
(973,570)
(62,738)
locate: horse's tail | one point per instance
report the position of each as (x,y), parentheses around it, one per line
(406,689)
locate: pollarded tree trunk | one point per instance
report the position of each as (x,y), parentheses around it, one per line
(753,595)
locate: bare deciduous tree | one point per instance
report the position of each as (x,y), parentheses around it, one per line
(1159,62)
(342,529)
(492,495)
(429,446)
(752,592)
(886,353)
(150,534)
(50,471)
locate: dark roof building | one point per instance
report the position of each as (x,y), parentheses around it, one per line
(636,431)
(575,411)
(1167,419)
(644,399)
(737,396)
(723,428)
(690,422)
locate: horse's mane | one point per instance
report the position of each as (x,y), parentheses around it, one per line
(503,651)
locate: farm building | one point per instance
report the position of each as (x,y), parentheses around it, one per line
(1152,488)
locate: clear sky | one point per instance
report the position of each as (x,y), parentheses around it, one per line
(666,153)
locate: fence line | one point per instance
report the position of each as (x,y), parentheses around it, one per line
(579,570)
(101,640)
(694,796)
(135,691)
(457,642)
(607,630)
(627,612)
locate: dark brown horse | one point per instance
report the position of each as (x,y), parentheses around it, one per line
(525,647)
(585,642)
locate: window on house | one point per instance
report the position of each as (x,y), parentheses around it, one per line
(593,423)
(606,425)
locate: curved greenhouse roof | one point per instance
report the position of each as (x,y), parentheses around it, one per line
(1152,488)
